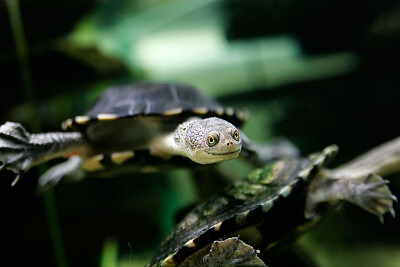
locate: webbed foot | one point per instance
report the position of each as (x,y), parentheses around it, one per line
(14,149)
(232,252)
(370,193)
(69,168)
(373,195)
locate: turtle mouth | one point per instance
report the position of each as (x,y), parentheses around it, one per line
(223,153)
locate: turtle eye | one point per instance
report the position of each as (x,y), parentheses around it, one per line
(236,135)
(212,139)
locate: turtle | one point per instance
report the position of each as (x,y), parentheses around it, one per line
(137,127)
(276,203)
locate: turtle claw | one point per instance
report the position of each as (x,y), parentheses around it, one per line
(19,173)
(374,196)
(392,212)
(3,165)
(15,181)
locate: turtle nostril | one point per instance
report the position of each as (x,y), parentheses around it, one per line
(229,143)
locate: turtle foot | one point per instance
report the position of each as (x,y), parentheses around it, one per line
(374,196)
(14,147)
(70,168)
(232,252)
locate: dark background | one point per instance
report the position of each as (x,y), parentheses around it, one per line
(357,110)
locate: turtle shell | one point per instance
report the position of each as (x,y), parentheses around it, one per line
(148,99)
(266,207)
(125,120)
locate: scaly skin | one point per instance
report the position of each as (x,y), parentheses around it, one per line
(192,140)
(20,150)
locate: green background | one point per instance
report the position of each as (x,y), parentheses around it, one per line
(316,72)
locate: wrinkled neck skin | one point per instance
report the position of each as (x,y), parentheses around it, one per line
(181,142)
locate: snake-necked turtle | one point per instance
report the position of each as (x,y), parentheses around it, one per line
(275,203)
(144,126)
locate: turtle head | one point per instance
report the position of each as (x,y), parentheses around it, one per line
(210,140)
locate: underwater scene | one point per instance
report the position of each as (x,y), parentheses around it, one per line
(199,133)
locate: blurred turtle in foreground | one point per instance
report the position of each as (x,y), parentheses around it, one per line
(276,203)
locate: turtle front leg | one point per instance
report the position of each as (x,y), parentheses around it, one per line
(370,193)
(359,181)
(20,150)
